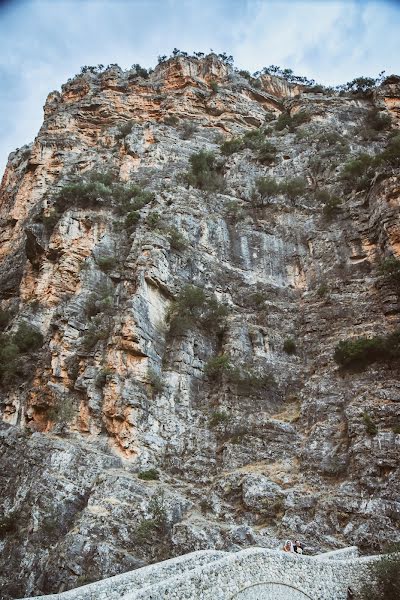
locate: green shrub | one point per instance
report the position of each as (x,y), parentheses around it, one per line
(390,269)
(98,330)
(255,140)
(214,86)
(153,219)
(370,426)
(106,263)
(140,71)
(391,154)
(132,219)
(232,146)
(267,153)
(332,204)
(27,338)
(267,187)
(289,346)
(284,120)
(171,120)
(291,122)
(377,121)
(385,579)
(358,172)
(9,353)
(5,318)
(102,377)
(322,290)
(155,380)
(157,524)
(217,418)
(124,129)
(175,238)
(216,366)
(149,475)
(9,523)
(247,380)
(63,412)
(99,301)
(193,308)
(233,210)
(293,188)
(362,351)
(188,129)
(204,172)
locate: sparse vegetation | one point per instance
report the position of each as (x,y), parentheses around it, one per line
(106,263)
(27,338)
(171,120)
(255,140)
(357,173)
(292,121)
(214,86)
(63,412)
(216,366)
(124,129)
(322,290)
(390,269)
(99,329)
(193,308)
(362,351)
(5,318)
(175,238)
(289,346)
(155,525)
(205,172)
(370,426)
(331,204)
(217,418)
(245,379)
(153,219)
(384,578)
(267,187)
(103,376)
(294,187)
(188,129)
(155,380)
(149,475)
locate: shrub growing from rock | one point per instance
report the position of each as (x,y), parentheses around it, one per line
(205,172)
(384,578)
(193,308)
(362,351)
(149,475)
(289,346)
(370,426)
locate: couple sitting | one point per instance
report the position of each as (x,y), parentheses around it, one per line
(297,547)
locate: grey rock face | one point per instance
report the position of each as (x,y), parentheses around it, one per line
(120,446)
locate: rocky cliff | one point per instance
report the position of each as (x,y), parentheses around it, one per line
(181,254)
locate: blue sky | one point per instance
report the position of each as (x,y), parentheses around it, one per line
(44,42)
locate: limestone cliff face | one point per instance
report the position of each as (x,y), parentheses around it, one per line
(113,391)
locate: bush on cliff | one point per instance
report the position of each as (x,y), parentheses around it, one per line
(25,340)
(193,308)
(385,578)
(362,351)
(205,172)
(390,269)
(292,122)
(254,140)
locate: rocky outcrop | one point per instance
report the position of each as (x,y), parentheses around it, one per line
(129,443)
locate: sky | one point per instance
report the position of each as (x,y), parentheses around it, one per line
(44,42)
